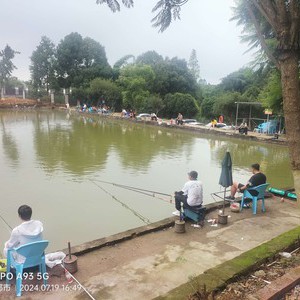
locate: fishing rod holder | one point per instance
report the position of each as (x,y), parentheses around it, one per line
(179,226)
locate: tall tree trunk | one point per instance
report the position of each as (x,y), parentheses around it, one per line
(291,105)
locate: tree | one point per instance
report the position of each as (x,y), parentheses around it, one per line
(122,62)
(194,65)
(94,63)
(149,58)
(271,94)
(238,81)
(154,103)
(42,65)
(136,81)
(79,60)
(225,104)
(172,76)
(6,66)
(105,90)
(180,103)
(277,33)
(69,59)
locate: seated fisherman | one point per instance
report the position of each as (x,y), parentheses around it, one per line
(191,194)
(27,232)
(256,179)
(243,128)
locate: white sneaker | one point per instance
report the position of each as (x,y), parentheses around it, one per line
(176,213)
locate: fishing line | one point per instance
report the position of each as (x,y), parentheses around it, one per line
(144,219)
(87,292)
(132,187)
(213,195)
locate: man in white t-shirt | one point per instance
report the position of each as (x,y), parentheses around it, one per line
(191,194)
(27,232)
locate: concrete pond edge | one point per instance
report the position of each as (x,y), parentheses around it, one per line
(132,233)
(218,277)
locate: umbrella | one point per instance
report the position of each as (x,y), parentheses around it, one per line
(226,175)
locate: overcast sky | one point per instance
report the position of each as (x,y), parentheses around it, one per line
(204,26)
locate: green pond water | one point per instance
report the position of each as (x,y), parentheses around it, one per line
(52,160)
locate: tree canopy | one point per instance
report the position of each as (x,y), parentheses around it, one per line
(6,65)
(80,60)
(42,66)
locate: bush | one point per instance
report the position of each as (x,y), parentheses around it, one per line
(180,103)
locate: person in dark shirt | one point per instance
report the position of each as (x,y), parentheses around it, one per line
(256,179)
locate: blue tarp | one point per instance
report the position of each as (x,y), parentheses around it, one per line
(268,127)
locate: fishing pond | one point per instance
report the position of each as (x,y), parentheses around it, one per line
(57,163)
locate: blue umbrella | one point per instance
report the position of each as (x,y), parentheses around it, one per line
(226,175)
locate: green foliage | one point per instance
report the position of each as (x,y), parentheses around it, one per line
(244,18)
(136,81)
(80,60)
(12,83)
(210,96)
(244,85)
(42,66)
(172,76)
(154,103)
(105,90)
(149,58)
(239,80)
(271,94)
(98,92)
(166,10)
(225,104)
(122,62)
(180,103)
(81,64)
(194,65)
(6,64)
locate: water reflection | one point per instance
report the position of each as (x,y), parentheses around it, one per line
(82,144)
(9,143)
(273,159)
(69,145)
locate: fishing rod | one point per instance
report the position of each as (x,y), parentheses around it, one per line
(132,187)
(144,219)
(150,195)
(10,228)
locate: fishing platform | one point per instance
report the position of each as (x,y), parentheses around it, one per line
(153,261)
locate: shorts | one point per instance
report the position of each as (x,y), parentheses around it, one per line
(253,193)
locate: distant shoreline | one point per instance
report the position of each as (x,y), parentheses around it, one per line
(252,136)
(17,103)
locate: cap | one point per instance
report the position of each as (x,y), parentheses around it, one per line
(193,174)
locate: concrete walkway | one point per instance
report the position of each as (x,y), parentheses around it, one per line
(148,266)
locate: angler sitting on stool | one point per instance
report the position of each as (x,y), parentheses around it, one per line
(191,194)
